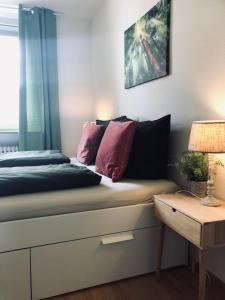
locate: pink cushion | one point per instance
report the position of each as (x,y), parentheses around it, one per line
(114,149)
(89,143)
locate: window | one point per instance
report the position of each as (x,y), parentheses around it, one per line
(9,81)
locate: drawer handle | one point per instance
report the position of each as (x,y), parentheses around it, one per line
(117,238)
(174,210)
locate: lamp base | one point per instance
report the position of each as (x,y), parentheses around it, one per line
(210,201)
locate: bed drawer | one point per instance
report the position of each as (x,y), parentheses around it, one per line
(184,225)
(66,267)
(15,275)
(30,233)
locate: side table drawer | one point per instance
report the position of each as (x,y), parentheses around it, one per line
(182,224)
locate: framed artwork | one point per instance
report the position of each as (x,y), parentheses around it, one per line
(147,44)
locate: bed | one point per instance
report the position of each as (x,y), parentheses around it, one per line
(57,242)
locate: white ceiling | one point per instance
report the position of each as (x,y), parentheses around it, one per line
(77,8)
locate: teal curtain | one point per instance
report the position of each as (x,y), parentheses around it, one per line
(39,125)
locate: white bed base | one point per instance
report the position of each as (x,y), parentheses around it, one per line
(48,256)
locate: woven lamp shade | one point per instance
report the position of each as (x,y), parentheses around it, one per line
(207,136)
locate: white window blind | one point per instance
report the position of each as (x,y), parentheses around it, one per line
(9,81)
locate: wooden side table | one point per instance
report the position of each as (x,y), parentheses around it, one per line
(201,225)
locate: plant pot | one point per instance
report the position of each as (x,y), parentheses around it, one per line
(198,187)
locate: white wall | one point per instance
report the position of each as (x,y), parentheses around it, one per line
(194,90)
(74,67)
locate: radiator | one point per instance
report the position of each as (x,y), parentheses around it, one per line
(6,149)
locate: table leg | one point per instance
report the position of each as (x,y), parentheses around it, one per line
(202,274)
(160,249)
(193,258)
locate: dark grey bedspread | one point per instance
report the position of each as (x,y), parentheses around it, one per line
(32,158)
(32,179)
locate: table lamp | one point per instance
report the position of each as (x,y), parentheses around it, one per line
(208,137)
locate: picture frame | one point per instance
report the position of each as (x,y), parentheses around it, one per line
(147,46)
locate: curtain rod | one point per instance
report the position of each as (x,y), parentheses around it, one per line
(24,8)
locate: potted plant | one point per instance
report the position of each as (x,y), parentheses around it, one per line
(194,165)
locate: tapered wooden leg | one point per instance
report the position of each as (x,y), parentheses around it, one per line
(160,249)
(193,258)
(202,274)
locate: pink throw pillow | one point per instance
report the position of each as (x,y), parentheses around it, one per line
(114,150)
(89,143)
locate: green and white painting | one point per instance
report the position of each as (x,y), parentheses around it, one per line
(147,46)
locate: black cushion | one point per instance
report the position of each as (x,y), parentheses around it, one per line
(106,122)
(148,157)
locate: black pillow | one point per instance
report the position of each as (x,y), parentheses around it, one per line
(148,157)
(106,123)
